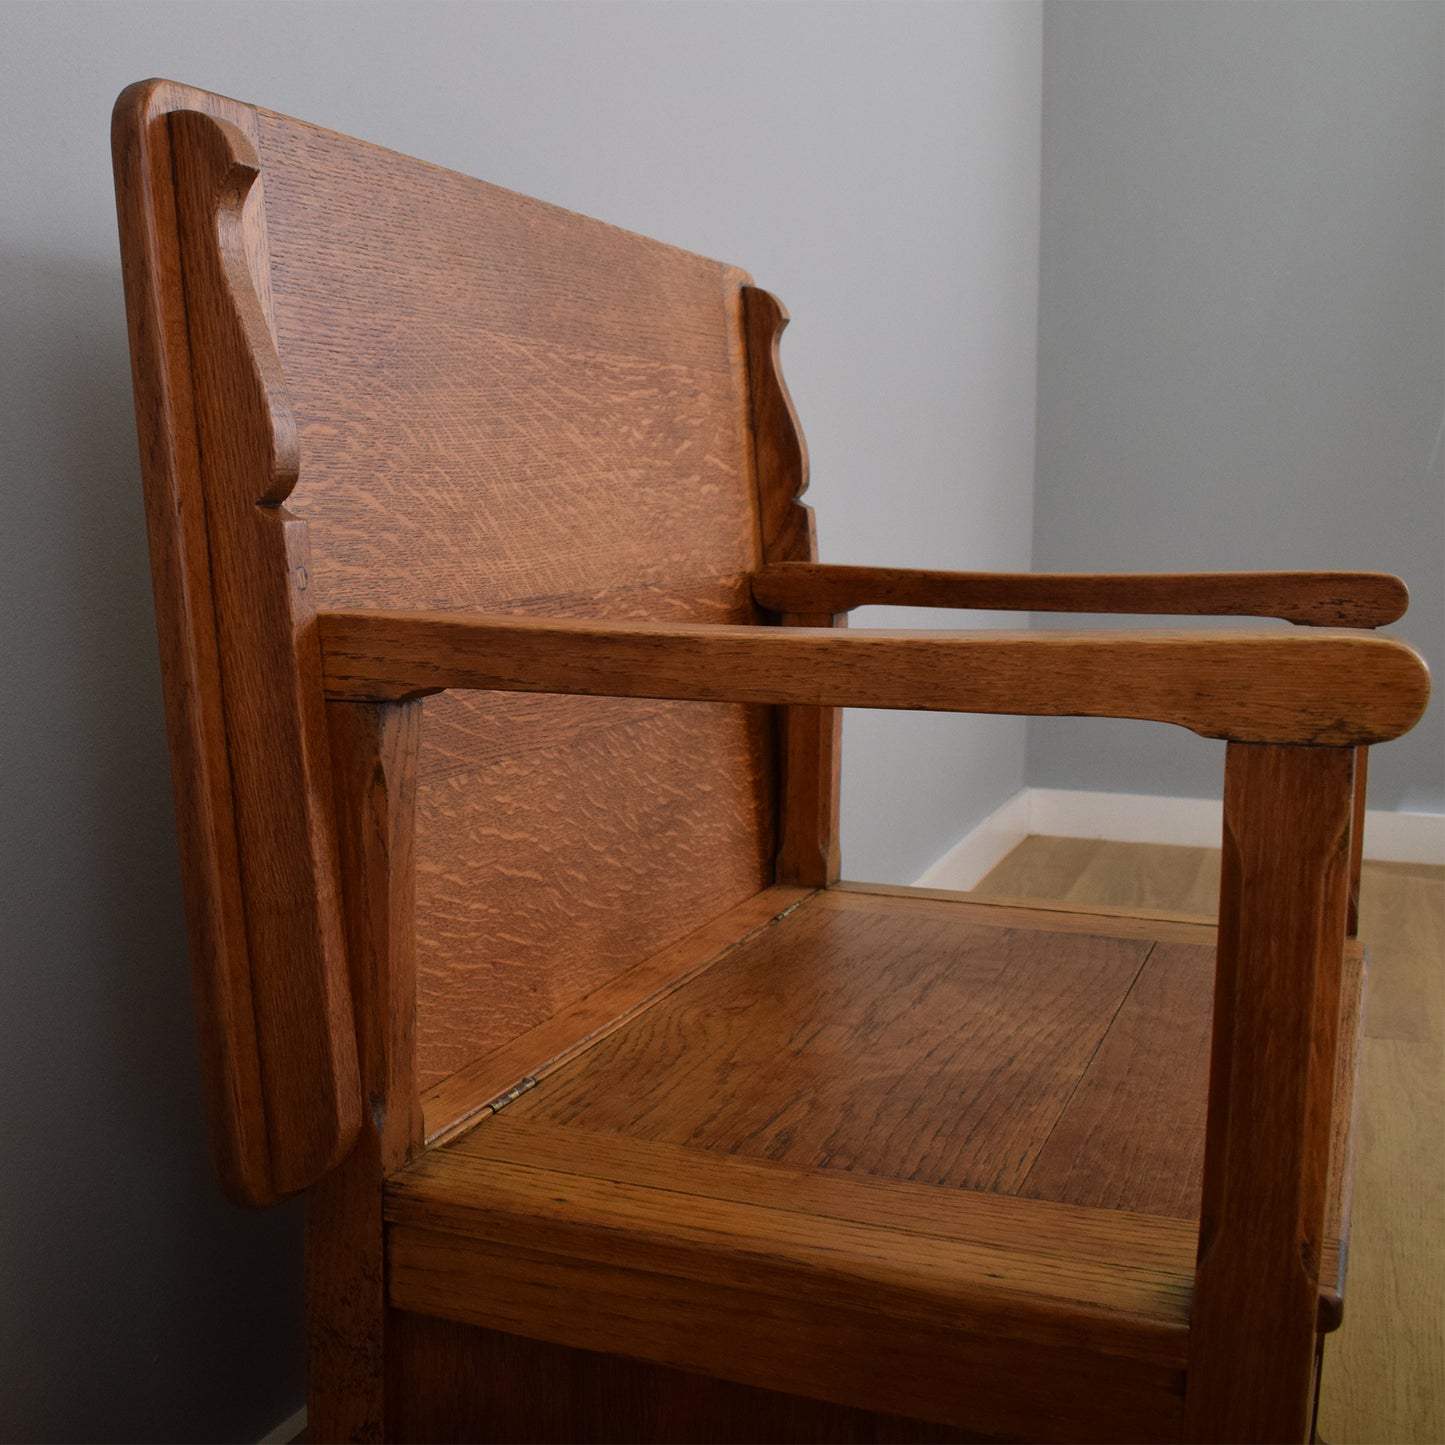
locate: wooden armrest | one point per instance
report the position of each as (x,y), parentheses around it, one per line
(1329,688)
(1314,599)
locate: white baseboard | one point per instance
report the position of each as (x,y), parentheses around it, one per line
(1405,837)
(286,1431)
(1125,817)
(983,847)
(1144,818)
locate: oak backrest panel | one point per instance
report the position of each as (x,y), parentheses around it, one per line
(507,407)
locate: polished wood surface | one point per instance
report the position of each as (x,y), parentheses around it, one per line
(904,1298)
(273,1002)
(374,754)
(517,1065)
(869,1065)
(1332,688)
(509,407)
(1272,1073)
(910,1039)
(861,1007)
(1130,1135)
(1321,599)
(584,882)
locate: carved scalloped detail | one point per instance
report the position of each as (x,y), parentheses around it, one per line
(217,168)
(781,455)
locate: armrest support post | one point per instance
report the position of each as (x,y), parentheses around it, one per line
(808,851)
(1357,841)
(374,750)
(1287,814)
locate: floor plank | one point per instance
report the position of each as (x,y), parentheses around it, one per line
(1040,867)
(1385,1376)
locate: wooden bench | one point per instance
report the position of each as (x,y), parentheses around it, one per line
(502,683)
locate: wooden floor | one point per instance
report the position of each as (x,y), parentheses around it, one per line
(1385,1374)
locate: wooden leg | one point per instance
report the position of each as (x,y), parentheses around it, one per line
(1357,841)
(374,752)
(1287,817)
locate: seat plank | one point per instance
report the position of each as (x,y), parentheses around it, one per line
(1132,1134)
(533,1055)
(1143,1246)
(909,1041)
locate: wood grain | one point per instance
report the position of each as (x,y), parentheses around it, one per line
(1040,868)
(266,627)
(1132,1135)
(1334,688)
(1117,1241)
(374,750)
(1272,1079)
(509,406)
(498,400)
(482,1385)
(530,454)
(273,967)
(458,1099)
(185,623)
(374,753)
(1011,1288)
(540,877)
(1385,1370)
(850,1351)
(780,455)
(901,1042)
(1344,1131)
(1404,914)
(704,1262)
(1320,599)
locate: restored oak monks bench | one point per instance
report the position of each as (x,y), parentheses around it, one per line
(502,684)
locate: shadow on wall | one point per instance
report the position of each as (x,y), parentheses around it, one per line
(120,1254)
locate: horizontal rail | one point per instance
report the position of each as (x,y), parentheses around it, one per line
(1317,599)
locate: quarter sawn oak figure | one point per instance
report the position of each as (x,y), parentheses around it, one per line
(502,684)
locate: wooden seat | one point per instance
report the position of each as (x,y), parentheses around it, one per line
(502,683)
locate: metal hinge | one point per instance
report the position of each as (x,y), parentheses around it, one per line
(515,1092)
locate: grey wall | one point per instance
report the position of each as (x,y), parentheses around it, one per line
(1242,325)
(876,165)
